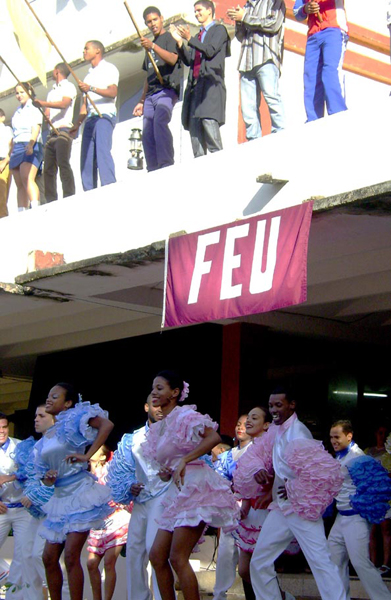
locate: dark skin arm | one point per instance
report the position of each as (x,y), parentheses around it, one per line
(169,57)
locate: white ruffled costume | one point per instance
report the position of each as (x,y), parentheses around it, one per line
(205,496)
(79,503)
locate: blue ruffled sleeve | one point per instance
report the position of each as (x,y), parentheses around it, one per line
(23,458)
(225,465)
(73,427)
(122,471)
(373,488)
(35,491)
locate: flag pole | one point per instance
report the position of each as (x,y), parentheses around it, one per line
(155,67)
(62,56)
(48,121)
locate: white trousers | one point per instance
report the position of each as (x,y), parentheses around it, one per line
(276,533)
(34,571)
(141,535)
(349,539)
(227,560)
(19,519)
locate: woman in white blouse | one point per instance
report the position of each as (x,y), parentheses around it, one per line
(27,149)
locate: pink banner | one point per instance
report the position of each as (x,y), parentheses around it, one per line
(243,268)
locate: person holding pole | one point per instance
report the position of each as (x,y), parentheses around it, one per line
(160,94)
(59,108)
(101,83)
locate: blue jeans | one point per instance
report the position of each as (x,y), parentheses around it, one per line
(323,77)
(263,78)
(96,152)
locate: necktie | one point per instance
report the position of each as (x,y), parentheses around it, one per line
(197,58)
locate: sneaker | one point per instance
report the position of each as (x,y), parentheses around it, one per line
(385,571)
(3,577)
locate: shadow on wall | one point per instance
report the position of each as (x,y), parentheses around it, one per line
(264,195)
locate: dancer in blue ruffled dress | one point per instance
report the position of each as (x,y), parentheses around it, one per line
(79,503)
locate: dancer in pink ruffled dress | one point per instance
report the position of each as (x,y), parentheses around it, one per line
(253,511)
(106,543)
(197,497)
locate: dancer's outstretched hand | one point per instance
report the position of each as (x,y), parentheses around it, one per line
(50,477)
(263,477)
(165,473)
(136,489)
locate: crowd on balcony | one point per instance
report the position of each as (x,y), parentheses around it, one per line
(259,27)
(174,478)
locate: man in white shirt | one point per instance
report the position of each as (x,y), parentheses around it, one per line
(12,513)
(5,177)
(283,523)
(101,84)
(349,536)
(59,108)
(132,477)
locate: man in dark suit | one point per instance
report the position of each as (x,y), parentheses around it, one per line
(203,109)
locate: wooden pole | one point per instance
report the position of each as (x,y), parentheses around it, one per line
(61,55)
(155,67)
(48,121)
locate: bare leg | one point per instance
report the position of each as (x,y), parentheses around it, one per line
(21,190)
(51,560)
(28,173)
(183,541)
(73,547)
(244,565)
(111,556)
(159,556)
(93,563)
(244,572)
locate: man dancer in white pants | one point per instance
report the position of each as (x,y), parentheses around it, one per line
(349,536)
(283,524)
(12,513)
(131,477)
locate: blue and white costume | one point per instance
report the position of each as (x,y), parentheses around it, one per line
(228,553)
(129,466)
(78,503)
(33,545)
(349,536)
(15,517)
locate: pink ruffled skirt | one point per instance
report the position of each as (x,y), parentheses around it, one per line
(114,533)
(205,497)
(247,533)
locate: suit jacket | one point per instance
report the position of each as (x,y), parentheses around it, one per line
(209,88)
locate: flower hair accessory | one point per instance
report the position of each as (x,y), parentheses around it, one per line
(185,392)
